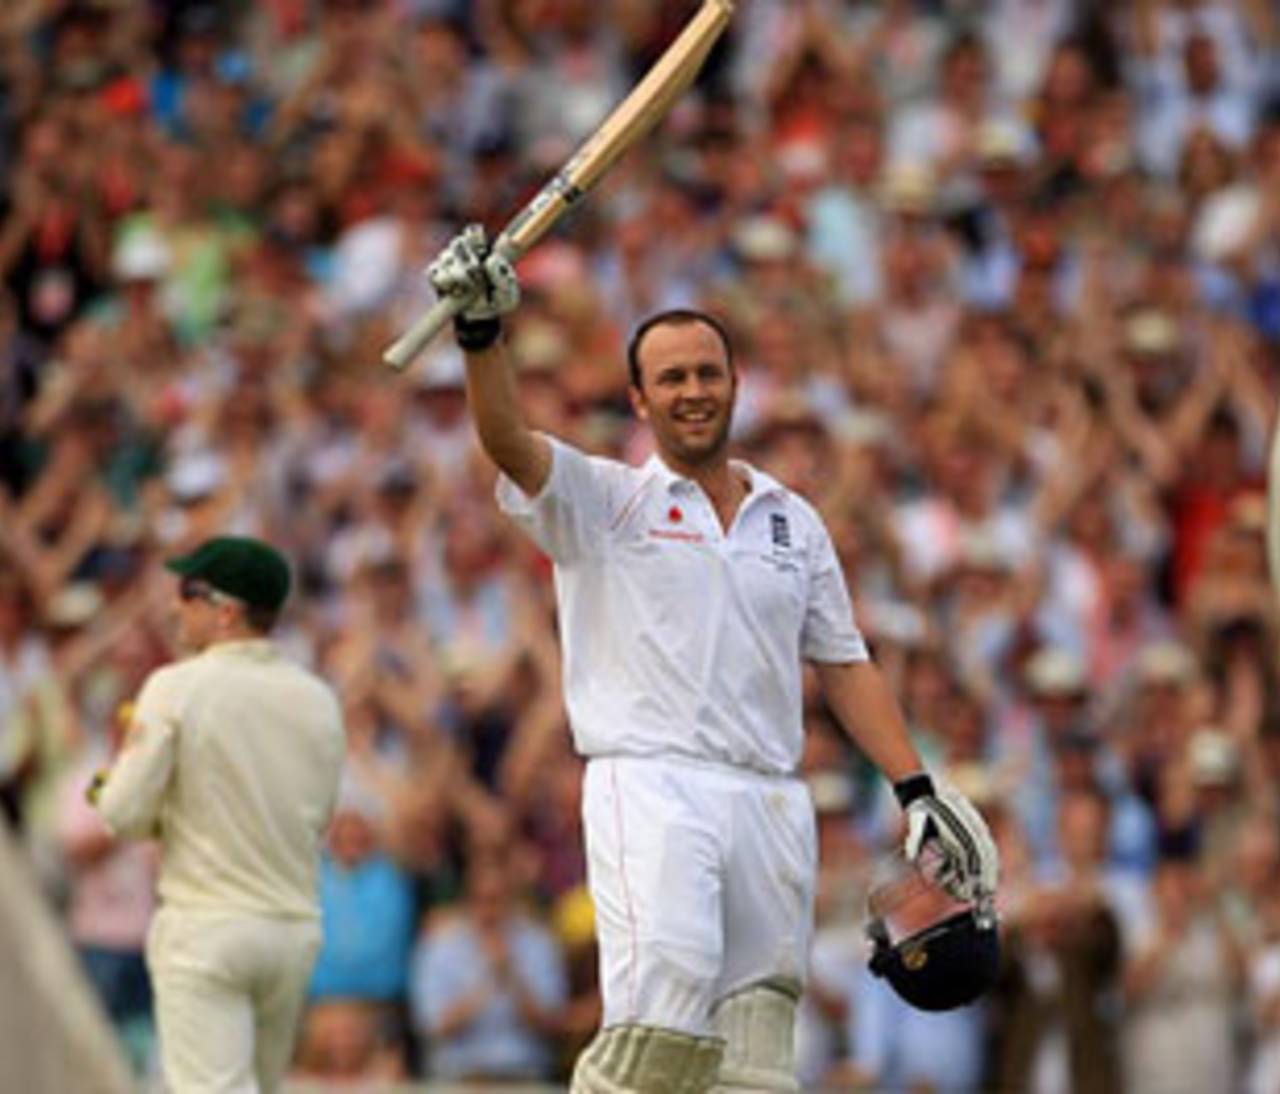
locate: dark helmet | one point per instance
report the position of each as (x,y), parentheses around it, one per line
(945,966)
(937,952)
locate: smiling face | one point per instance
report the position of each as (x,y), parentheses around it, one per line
(686,393)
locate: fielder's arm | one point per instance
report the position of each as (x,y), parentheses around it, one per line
(864,705)
(129,797)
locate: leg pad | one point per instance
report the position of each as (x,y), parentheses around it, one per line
(632,1059)
(758,1024)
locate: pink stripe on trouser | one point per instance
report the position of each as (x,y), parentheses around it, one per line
(626,893)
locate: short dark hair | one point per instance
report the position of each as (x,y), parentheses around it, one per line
(674,317)
(260,619)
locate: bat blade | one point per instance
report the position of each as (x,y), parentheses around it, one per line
(646,105)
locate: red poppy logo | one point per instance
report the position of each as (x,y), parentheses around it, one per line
(674,515)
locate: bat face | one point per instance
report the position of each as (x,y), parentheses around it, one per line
(635,116)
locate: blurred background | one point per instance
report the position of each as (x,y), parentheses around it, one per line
(1004,281)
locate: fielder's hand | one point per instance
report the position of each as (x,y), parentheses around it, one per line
(94,790)
(970,862)
(484,283)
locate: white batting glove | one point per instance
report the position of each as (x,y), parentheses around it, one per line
(467,270)
(970,863)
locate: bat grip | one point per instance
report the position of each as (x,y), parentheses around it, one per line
(402,352)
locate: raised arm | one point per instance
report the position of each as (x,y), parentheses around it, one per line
(487,281)
(523,455)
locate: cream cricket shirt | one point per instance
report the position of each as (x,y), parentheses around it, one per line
(680,640)
(234,755)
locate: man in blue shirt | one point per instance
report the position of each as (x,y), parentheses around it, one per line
(367,908)
(488,986)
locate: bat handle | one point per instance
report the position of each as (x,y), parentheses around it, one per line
(402,352)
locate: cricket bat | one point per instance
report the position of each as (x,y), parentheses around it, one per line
(649,101)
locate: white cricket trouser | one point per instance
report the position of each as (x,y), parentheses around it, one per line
(702,879)
(229,991)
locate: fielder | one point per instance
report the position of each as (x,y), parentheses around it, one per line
(232,760)
(690,590)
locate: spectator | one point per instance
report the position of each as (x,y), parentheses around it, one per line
(488,986)
(366,906)
(825,1017)
(844,217)
(1053,1024)
(1204,95)
(1181,987)
(341,1045)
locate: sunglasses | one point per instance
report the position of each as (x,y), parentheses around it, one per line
(194,588)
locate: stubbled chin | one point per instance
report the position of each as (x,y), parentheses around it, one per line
(696,450)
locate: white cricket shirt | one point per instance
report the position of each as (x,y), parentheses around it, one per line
(234,755)
(680,639)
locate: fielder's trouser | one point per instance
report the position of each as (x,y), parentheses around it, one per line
(229,991)
(702,879)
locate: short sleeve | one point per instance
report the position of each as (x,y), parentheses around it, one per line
(568,517)
(829,633)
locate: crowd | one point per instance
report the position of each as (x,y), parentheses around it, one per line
(1004,282)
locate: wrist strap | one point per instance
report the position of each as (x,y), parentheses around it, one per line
(476,334)
(913,788)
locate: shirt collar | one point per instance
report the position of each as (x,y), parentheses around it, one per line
(761,483)
(254,649)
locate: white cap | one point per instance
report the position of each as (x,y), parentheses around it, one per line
(74,605)
(832,792)
(909,188)
(539,346)
(974,781)
(196,475)
(863,428)
(1214,757)
(1152,332)
(1055,671)
(764,238)
(1166,662)
(142,255)
(978,549)
(1003,141)
(1225,223)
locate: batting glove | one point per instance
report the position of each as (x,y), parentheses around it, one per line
(970,863)
(483,281)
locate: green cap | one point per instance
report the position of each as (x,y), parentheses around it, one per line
(245,568)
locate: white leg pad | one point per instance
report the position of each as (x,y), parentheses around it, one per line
(632,1059)
(759,1027)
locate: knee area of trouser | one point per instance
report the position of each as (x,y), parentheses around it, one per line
(634,1059)
(758,1026)
(674,988)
